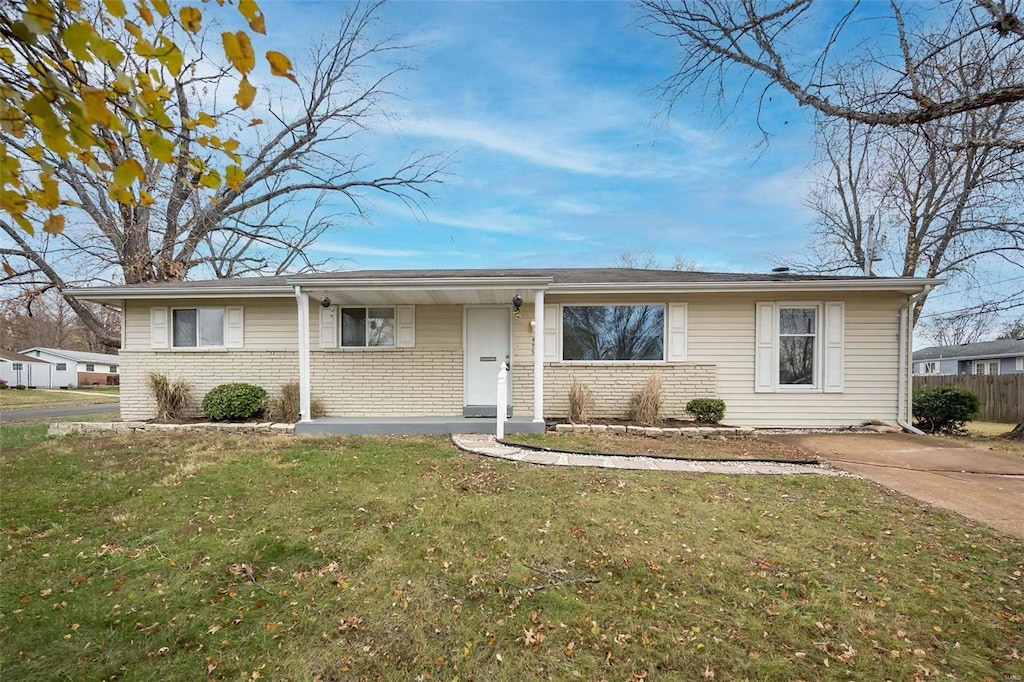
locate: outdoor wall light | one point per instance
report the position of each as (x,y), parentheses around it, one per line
(517,303)
(325,302)
(533,325)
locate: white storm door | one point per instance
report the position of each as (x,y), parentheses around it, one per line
(488,332)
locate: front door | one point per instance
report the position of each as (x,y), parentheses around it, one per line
(488,332)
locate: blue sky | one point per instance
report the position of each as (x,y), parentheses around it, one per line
(561,156)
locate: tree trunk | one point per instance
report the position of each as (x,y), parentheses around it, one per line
(1017,433)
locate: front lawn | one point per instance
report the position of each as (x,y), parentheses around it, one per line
(990,435)
(183,556)
(33,398)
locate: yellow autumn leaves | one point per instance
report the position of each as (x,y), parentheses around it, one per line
(48,104)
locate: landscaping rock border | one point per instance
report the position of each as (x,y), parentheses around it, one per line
(266,428)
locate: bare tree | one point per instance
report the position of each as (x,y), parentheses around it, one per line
(305,172)
(645,259)
(957,329)
(1014,329)
(46,319)
(771,45)
(917,198)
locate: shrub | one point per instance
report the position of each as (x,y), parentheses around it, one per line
(235,401)
(20,387)
(284,407)
(3,384)
(645,405)
(173,398)
(581,402)
(944,408)
(707,410)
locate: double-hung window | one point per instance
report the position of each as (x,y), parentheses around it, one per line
(367,327)
(90,367)
(930,367)
(197,327)
(613,333)
(62,366)
(16,366)
(799,347)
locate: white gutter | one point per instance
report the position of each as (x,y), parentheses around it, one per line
(423,283)
(905,383)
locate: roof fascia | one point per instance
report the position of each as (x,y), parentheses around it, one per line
(132,294)
(439,283)
(907,285)
(985,356)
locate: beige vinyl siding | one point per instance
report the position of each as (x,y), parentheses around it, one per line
(721,345)
(269,324)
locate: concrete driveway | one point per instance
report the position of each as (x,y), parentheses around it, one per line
(985,485)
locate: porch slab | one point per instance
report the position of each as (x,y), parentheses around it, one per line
(405,426)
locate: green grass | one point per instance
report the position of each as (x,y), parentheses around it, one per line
(182,556)
(990,435)
(12,399)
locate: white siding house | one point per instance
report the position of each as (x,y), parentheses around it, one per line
(73,368)
(23,370)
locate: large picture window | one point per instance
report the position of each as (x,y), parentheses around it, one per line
(367,327)
(613,333)
(198,327)
(798,344)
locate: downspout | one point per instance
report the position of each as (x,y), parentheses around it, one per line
(904,401)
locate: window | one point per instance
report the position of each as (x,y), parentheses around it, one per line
(113,369)
(16,366)
(197,327)
(367,327)
(993,368)
(798,344)
(799,347)
(1020,364)
(89,367)
(613,333)
(979,367)
(62,366)
(930,367)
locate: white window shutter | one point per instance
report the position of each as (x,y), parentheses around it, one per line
(328,326)
(676,346)
(405,326)
(158,332)
(764,352)
(833,348)
(234,325)
(552,353)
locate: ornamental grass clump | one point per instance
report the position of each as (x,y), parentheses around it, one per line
(173,398)
(284,407)
(581,402)
(234,402)
(645,405)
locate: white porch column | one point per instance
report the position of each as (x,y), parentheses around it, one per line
(538,356)
(302,301)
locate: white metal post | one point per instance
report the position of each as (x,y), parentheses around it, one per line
(538,356)
(502,403)
(302,301)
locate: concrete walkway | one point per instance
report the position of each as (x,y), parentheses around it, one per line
(52,412)
(482,444)
(982,484)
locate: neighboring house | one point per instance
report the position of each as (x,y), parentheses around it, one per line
(75,368)
(22,370)
(1005,356)
(781,350)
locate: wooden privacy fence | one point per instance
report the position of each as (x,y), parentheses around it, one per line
(1001,395)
